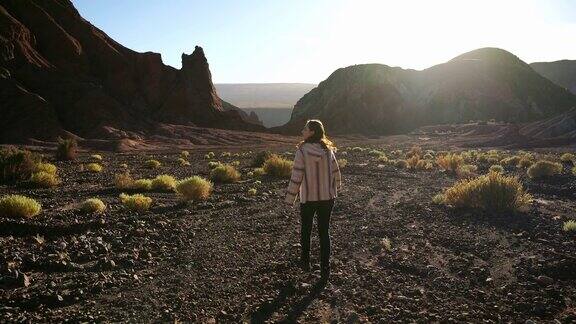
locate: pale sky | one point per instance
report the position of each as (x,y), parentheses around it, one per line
(258,41)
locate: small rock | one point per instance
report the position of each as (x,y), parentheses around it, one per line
(544,280)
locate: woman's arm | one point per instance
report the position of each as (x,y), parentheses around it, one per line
(336,171)
(295,178)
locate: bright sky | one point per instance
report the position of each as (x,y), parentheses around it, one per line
(306,40)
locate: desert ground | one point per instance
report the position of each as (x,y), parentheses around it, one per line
(396,255)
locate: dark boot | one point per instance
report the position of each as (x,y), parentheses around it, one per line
(305,265)
(325,274)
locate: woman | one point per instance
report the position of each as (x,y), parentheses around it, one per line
(316,179)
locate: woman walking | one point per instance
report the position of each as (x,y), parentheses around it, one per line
(316,179)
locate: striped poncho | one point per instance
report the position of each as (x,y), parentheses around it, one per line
(315,174)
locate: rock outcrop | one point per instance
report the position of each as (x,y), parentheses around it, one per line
(484,84)
(59,73)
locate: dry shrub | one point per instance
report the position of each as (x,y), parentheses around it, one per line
(16,164)
(224,173)
(413,161)
(574,170)
(260,158)
(209,155)
(277,166)
(142,185)
(494,191)
(94,167)
(252,191)
(213,164)
(182,162)
(19,206)
(194,188)
(96,157)
(93,206)
(450,162)
(44,179)
(466,171)
(67,149)
(496,168)
(45,167)
(123,181)
(524,163)
(569,226)
(513,160)
(415,150)
(258,172)
(544,168)
(382,158)
(185,154)
(164,182)
(342,163)
(568,157)
(137,202)
(401,164)
(152,164)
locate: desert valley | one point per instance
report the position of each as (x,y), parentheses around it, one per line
(133,191)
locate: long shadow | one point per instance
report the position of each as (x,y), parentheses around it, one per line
(296,308)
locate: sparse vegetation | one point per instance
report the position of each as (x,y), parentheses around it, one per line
(164,182)
(194,188)
(277,166)
(466,171)
(258,172)
(342,163)
(494,191)
(137,202)
(386,244)
(184,154)
(45,167)
(401,164)
(182,162)
(67,149)
(224,173)
(93,206)
(153,164)
(96,157)
(209,155)
(94,167)
(525,162)
(213,164)
(252,191)
(543,169)
(19,206)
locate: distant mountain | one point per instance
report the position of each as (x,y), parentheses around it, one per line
(270,102)
(59,74)
(263,95)
(483,84)
(563,73)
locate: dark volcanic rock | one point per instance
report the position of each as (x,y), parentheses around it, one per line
(562,72)
(60,73)
(484,84)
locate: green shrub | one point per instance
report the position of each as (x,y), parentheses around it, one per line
(252,191)
(544,168)
(136,202)
(375,152)
(194,188)
(153,164)
(568,157)
(439,199)
(67,149)
(164,182)
(260,158)
(224,173)
(17,165)
(277,166)
(235,163)
(19,206)
(496,168)
(94,167)
(209,155)
(493,191)
(213,164)
(226,154)
(44,179)
(569,226)
(93,206)
(142,184)
(45,167)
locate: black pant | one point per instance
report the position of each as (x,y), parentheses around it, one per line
(323,210)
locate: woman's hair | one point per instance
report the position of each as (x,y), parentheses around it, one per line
(319,135)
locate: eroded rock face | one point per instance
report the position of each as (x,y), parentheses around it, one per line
(60,73)
(484,84)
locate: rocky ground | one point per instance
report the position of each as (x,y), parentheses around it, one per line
(233,257)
